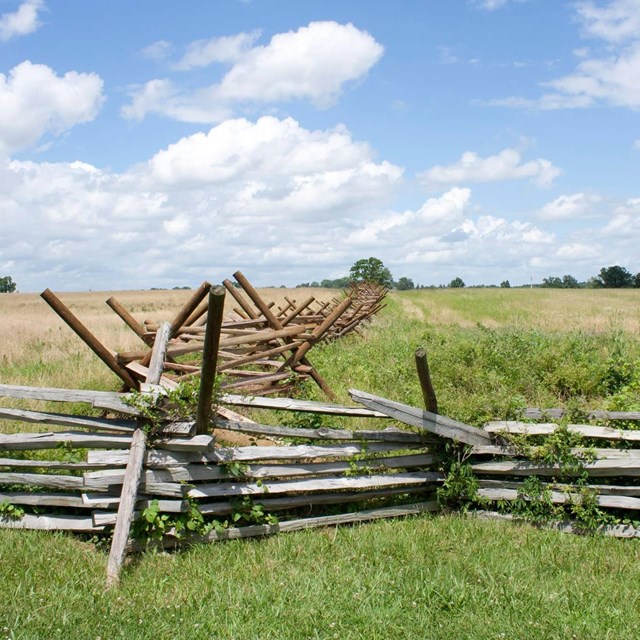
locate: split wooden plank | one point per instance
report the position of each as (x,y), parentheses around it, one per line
(334,483)
(612,467)
(88,338)
(126,507)
(307,523)
(53,464)
(313,499)
(50,523)
(40,417)
(431,422)
(52,440)
(159,459)
(535,413)
(307,406)
(103,479)
(59,499)
(99,399)
(586,430)
(43,480)
(560,497)
(428,392)
(323,433)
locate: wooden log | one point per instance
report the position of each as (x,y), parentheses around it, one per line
(126,507)
(209,359)
(88,338)
(190,306)
(236,362)
(50,523)
(40,417)
(246,307)
(428,392)
(431,422)
(297,311)
(130,321)
(586,430)
(158,354)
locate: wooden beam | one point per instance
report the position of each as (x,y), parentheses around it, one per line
(130,321)
(209,359)
(88,338)
(428,392)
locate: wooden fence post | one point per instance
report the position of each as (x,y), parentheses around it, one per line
(428,392)
(209,358)
(133,472)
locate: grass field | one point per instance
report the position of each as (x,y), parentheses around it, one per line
(491,352)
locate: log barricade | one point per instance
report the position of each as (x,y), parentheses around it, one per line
(263,349)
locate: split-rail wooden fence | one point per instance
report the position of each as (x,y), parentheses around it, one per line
(107,470)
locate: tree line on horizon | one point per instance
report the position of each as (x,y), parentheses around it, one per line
(373,270)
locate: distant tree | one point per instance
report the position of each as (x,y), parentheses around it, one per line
(615,277)
(405,284)
(505,284)
(457,283)
(636,280)
(371,270)
(7,285)
(569,282)
(552,282)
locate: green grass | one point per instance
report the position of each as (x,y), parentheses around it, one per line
(443,577)
(438,577)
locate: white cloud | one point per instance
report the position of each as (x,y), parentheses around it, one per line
(616,22)
(158,51)
(35,101)
(506,165)
(202,53)
(609,77)
(492,5)
(567,207)
(636,144)
(313,63)
(21,22)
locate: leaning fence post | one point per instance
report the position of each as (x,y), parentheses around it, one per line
(133,471)
(209,358)
(428,392)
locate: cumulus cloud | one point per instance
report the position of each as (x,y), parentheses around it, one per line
(158,51)
(202,53)
(313,63)
(34,101)
(567,207)
(492,5)
(506,165)
(21,22)
(609,77)
(615,22)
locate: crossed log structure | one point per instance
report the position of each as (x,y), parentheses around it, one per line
(262,349)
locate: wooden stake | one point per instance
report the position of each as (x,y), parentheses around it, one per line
(209,358)
(89,339)
(428,392)
(130,321)
(126,507)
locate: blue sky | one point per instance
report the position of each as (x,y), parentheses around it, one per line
(158,144)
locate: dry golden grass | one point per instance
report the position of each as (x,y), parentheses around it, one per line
(591,310)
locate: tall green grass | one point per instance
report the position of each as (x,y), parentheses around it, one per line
(440,577)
